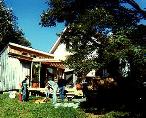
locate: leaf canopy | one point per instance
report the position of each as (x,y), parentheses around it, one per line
(98,33)
(9,31)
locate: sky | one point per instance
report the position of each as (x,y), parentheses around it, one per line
(28,13)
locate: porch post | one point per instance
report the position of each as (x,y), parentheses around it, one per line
(39,74)
(31,74)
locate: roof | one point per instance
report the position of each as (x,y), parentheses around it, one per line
(45,60)
(55,64)
(50,62)
(56,44)
(30,49)
(91,74)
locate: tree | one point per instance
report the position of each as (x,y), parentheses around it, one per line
(98,33)
(9,31)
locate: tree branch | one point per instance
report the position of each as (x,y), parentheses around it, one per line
(137,7)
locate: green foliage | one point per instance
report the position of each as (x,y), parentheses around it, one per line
(99,33)
(120,47)
(138,34)
(9,31)
(70,11)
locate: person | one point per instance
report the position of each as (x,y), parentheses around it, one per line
(61,85)
(47,90)
(25,93)
(1,87)
(78,86)
(84,87)
(20,92)
(53,85)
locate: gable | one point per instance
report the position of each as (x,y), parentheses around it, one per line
(59,49)
(61,53)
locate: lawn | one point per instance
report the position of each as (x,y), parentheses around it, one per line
(13,108)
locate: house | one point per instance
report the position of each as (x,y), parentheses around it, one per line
(17,62)
(60,53)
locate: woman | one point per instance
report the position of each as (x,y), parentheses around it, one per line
(54,87)
(25,93)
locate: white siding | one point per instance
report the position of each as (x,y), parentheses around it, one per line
(3,72)
(25,70)
(0,76)
(17,72)
(12,72)
(61,53)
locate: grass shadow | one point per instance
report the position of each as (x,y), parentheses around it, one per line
(121,106)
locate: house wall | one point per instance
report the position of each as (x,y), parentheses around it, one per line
(4,68)
(0,76)
(12,72)
(61,53)
(26,67)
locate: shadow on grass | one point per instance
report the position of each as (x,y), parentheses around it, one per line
(114,104)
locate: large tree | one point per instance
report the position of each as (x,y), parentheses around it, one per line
(98,33)
(9,31)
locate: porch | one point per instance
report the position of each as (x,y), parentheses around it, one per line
(44,69)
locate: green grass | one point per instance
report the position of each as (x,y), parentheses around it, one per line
(13,108)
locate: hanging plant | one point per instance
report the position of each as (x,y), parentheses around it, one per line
(36,69)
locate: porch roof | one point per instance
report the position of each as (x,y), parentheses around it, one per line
(50,62)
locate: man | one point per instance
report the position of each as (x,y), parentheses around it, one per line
(85,87)
(61,85)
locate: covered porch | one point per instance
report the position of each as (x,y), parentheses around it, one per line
(44,69)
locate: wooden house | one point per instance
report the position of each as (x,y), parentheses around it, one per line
(17,62)
(60,53)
